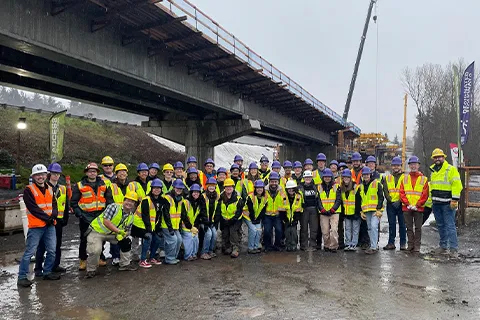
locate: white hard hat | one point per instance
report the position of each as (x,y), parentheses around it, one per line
(39,168)
(291,184)
(307,174)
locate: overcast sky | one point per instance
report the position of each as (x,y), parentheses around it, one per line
(315,42)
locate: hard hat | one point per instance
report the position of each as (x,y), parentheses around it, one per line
(264,159)
(39,168)
(154,166)
(211,180)
(253,165)
(327,173)
(347,173)
(178,165)
(356,156)
(291,184)
(209,160)
(297,164)
(192,170)
(49,167)
(371,159)
(396,161)
(438,153)
(156,183)
(229,183)
(91,165)
(287,164)
(413,159)
(342,165)
(167,167)
(107,160)
(178,184)
(321,157)
(142,167)
(308,174)
(221,170)
(120,167)
(259,184)
(191,159)
(308,161)
(234,167)
(238,158)
(132,195)
(366,170)
(195,187)
(276,165)
(335,162)
(55,167)
(274,176)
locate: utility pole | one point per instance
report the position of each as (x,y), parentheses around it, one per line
(404,140)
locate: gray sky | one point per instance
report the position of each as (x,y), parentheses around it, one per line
(315,42)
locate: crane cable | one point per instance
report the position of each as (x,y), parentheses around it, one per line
(375,18)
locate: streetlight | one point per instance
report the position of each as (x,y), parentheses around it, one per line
(21,125)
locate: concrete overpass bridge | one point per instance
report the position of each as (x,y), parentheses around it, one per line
(198,84)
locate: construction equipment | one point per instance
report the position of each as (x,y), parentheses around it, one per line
(378,145)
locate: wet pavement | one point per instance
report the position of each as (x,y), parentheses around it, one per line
(305,285)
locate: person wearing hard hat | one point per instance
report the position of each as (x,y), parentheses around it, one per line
(179,173)
(334,167)
(356,168)
(371,162)
(414,194)
(391,188)
(192,163)
(276,206)
(153,171)
(168,172)
(351,210)
(194,209)
(239,183)
(112,225)
(276,166)
(341,167)
(238,159)
(446,188)
(140,184)
(221,177)
(264,169)
(230,219)
(192,177)
(370,195)
(297,172)
(212,209)
(321,165)
(308,165)
(287,173)
(329,207)
(252,176)
(208,173)
(256,205)
(42,209)
(294,209)
(90,196)
(63,208)
(309,224)
(108,175)
(171,222)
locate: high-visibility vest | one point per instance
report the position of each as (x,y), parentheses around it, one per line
(107,181)
(446,179)
(228,212)
(357,178)
(349,202)
(91,202)
(175,213)
(61,201)
(277,204)
(117,220)
(117,193)
(249,186)
(296,206)
(317,176)
(215,205)
(369,199)
(166,190)
(283,181)
(257,206)
(137,220)
(429,202)
(43,201)
(394,189)
(135,186)
(413,194)
(328,201)
(191,214)
(239,187)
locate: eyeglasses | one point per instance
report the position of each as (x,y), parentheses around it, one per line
(108,165)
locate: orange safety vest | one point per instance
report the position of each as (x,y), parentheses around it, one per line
(356,178)
(203,180)
(91,202)
(44,202)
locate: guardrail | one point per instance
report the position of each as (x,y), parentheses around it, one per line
(198,20)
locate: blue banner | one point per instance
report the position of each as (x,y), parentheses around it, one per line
(466,101)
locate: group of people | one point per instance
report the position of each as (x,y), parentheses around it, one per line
(284,207)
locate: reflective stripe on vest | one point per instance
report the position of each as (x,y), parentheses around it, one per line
(43,201)
(349,202)
(215,205)
(175,213)
(277,204)
(117,194)
(228,212)
(117,220)
(138,221)
(61,201)
(413,194)
(135,186)
(191,214)
(328,201)
(394,189)
(370,199)
(296,206)
(89,201)
(257,206)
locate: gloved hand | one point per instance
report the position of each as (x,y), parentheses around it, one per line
(119,237)
(323,211)
(364,217)
(50,221)
(378,214)
(332,211)
(454,204)
(413,208)
(148,236)
(194,231)
(122,233)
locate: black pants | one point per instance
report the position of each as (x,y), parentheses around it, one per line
(40,255)
(82,249)
(363,237)
(341,234)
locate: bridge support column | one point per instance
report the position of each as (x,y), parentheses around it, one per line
(294,152)
(201,136)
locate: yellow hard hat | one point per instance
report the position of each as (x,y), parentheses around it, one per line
(438,153)
(167,166)
(229,183)
(107,160)
(132,195)
(120,166)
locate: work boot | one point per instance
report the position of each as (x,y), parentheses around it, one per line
(403,247)
(102,263)
(364,246)
(51,276)
(440,250)
(128,267)
(38,274)
(234,254)
(115,261)
(83,265)
(90,274)
(389,246)
(453,254)
(24,283)
(59,269)
(212,254)
(371,251)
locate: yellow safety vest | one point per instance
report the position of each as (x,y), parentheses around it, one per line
(296,206)
(257,206)
(228,212)
(166,190)
(446,179)
(138,222)
(61,201)
(328,201)
(175,212)
(413,194)
(394,189)
(277,204)
(107,181)
(191,214)
(317,177)
(215,206)
(117,220)
(283,181)
(117,193)
(429,202)
(137,187)
(369,199)
(349,202)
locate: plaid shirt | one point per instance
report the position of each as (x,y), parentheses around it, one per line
(111,210)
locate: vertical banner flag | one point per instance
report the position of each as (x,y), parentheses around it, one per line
(466,101)
(57,131)
(454,153)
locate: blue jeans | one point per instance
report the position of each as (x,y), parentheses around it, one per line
(393,214)
(115,251)
(48,236)
(270,222)
(209,240)
(40,255)
(190,244)
(172,245)
(352,229)
(150,245)
(254,234)
(445,218)
(372,223)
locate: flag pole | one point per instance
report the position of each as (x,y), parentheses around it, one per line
(457,108)
(404,139)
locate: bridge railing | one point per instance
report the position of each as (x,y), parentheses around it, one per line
(198,20)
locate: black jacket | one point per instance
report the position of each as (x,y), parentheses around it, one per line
(76,196)
(358,196)
(161,204)
(310,195)
(338,198)
(202,215)
(251,211)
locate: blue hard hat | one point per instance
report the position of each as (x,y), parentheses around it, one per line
(178,164)
(413,159)
(211,180)
(327,173)
(238,158)
(276,165)
(287,164)
(191,159)
(371,159)
(274,176)
(156,183)
(142,167)
(356,156)
(335,162)
(321,157)
(192,170)
(55,167)
(178,184)
(259,184)
(264,159)
(308,161)
(297,164)
(234,166)
(346,173)
(342,165)
(253,165)
(209,160)
(195,187)
(155,166)
(221,170)
(366,170)
(397,161)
